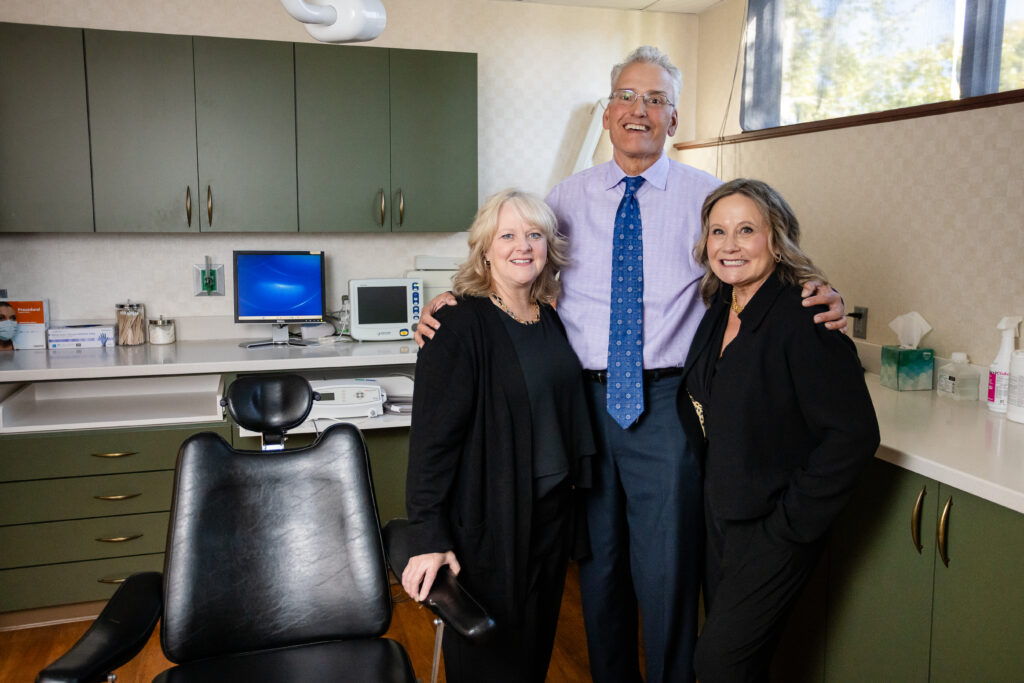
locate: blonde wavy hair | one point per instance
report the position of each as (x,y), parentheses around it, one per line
(793,265)
(474,275)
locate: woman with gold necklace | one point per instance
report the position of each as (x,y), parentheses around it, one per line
(500,443)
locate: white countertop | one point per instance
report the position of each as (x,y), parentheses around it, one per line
(959,443)
(195,357)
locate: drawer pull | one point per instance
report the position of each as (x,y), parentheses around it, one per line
(944,532)
(115,454)
(915,520)
(115,581)
(119,539)
(123,496)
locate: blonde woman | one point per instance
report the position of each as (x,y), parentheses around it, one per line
(500,443)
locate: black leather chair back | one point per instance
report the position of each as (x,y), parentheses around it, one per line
(268,550)
(269,404)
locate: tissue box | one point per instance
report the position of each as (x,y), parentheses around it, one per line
(907,369)
(33,318)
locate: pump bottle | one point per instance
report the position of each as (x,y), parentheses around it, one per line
(999,371)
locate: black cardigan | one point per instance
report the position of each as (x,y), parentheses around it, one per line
(790,424)
(470,481)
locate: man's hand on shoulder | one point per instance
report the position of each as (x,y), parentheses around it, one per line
(428,324)
(816,293)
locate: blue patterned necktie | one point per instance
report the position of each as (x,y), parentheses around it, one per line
(625,338)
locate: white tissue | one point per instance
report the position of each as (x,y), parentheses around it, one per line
(910,327)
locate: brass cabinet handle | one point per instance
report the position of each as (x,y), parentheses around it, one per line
(123,496)
(115,581)
(915,520)
(118,539)
(114,454)
(401,206)
(382,207)
(209,206)
(188,205)
(944,532)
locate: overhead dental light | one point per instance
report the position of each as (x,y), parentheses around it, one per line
(339,21)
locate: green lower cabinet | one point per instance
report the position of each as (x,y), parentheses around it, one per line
(62,584)
(24,545)
(978,610)
(880,586)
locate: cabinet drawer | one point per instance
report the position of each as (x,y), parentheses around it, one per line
(24,545)
(50,500)
(108,451)
(61,584)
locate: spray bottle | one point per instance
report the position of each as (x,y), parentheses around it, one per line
(999,371)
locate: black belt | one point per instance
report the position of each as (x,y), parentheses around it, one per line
(649,375)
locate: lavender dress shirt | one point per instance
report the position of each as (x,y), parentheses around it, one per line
(670,202)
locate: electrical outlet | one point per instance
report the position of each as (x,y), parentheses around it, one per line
(860,322)
(208,280)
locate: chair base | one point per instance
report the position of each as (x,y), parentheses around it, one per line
(377,660)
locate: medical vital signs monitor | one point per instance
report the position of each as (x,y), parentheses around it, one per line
(384,308)
(279,287)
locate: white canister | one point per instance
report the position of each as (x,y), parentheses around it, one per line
(161,331)
(1015,395)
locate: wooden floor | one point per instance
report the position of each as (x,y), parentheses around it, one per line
(24,652)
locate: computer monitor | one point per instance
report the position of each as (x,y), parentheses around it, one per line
(279,287)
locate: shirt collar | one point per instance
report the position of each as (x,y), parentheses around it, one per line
(656,175)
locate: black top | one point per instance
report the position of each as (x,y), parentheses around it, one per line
(470,479)
(789,420)
(552,376)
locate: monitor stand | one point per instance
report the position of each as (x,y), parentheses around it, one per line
(280,338)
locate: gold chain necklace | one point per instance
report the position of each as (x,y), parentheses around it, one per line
(501,304)
(735,305)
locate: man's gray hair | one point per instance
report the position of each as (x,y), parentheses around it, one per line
(647,54)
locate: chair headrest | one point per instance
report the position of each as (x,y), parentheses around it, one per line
(269,404)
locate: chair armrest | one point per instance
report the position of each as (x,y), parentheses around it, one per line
(118,634)
(448,599)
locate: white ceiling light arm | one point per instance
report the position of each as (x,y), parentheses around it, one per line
(339,21)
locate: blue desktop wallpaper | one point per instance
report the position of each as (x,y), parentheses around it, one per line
(283,286)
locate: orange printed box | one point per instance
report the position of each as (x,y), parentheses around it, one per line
(23,323)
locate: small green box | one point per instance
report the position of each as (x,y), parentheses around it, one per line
(907,369)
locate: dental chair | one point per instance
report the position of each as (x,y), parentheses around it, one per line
(274,567)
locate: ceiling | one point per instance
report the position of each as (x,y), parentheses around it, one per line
(677,6)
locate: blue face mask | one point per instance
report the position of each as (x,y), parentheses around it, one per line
(8,328)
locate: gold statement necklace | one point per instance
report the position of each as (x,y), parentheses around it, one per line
(501,304)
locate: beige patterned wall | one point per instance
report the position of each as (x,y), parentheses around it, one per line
(922,215)
(540,69)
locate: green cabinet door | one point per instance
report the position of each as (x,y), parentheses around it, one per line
(978,610)
(245,119)
(880,586)
(342,133)
(143,121)
(45,183)
(433,141)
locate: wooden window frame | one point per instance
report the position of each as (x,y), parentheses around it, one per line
(933,109)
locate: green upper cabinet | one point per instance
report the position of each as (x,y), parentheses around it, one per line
(45,182)
(143,120)
(978,610)
(245,119)
(433,141)
(342,133)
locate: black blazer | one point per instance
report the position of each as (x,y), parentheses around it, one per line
(789,420)
(470,477)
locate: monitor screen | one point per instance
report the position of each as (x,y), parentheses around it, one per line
(285,286)
(383,305)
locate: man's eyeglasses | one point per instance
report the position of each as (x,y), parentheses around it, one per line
(651,99)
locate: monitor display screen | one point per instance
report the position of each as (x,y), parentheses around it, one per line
(279,285)
(388,304)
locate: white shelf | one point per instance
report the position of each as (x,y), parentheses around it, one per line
(104,403)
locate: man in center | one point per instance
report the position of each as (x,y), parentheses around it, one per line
(630,305)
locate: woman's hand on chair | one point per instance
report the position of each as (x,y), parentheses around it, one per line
(420,572)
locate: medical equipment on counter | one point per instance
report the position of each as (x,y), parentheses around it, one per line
(384,309)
